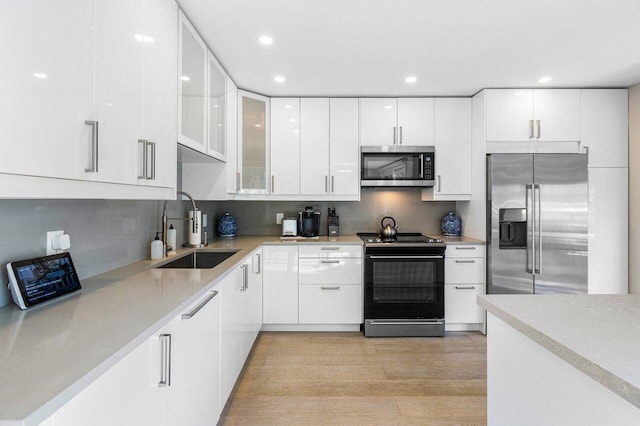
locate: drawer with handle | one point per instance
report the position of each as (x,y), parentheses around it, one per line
(329,271)
(465,250)
(330,304)
(464,270)
(460,304)
(330,250)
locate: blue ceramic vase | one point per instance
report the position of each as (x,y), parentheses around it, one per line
(451,224)
(227,226)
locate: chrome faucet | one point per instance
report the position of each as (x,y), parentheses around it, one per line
(194,226)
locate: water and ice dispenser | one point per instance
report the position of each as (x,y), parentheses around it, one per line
(513,229)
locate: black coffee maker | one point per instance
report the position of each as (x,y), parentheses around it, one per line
(309,222)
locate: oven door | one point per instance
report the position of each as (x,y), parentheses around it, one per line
(403,286)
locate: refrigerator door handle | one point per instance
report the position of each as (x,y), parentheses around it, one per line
(530,229)
(538,228)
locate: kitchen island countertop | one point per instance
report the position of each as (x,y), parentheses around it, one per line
(597,334)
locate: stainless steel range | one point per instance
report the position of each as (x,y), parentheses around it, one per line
(404,285)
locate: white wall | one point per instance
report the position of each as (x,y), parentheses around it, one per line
(634,188)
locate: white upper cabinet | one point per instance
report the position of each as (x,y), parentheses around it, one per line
(605,126)
(83,105)
(391,121)
(46,87)
(285,146)
(158,161)
(344,152)
(378,121)
(314,146)
(192,89)
(415,121)
(453,148)
(253,143)
(216,125)
(546,115)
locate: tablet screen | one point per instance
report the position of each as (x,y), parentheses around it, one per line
(44,278)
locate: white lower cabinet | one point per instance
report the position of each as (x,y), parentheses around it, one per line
(464,281)
(280,293)
(252,302)
(331,304)
(230,332)
(172,378)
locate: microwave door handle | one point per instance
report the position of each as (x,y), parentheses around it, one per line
(421,166)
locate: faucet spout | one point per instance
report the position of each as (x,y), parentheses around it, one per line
(195,218)
(165,220)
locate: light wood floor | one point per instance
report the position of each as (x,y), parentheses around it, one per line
(346,379)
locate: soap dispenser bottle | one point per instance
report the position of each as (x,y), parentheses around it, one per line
(156,247)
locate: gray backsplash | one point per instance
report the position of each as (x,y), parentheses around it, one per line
(107,234)
(411,214)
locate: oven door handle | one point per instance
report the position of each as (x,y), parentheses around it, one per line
(405,257)
(405,322)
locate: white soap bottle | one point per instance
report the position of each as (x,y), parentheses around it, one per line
(171,238)
(156,248)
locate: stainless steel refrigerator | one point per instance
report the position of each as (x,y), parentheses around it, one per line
(537,214)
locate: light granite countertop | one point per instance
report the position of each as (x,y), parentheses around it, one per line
(597,334)
(460,240)
(53,351)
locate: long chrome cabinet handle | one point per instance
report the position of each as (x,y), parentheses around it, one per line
(258,263)
(530,231)
(530,129)
(439,183)
(333,186)
(245,277)
(465,261)
(201,305)
(94,146)
(152,176)
(329,261)
(326,183)
(465,248)
(538,258)
(395,136)
(330,287)
(400,139)
(143,142)
(273,183)
(538,128)
(329,248)
(464,287)
(165,361)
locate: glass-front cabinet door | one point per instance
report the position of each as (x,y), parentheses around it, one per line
(217,108)
(192,96)
(253,143)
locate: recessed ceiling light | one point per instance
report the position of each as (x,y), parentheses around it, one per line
(411,79)
(288,106)
(266,40)
(185,78)
(40,75)
(292,120)
(544,80)
(258,125)
(109,104)
(278,79)
(518,93)
(388,107)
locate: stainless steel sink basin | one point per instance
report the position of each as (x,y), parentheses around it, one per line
(199,260)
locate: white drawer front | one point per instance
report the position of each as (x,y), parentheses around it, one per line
(463,270)
(330,271)
(330,304)
(460,305)
(465,250)
(330,250)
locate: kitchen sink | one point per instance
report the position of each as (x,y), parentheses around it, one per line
(199,260)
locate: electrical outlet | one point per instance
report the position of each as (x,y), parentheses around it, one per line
(279,217)
(50,236)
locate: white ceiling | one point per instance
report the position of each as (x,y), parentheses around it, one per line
(453,47)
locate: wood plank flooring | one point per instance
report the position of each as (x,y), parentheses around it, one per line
(346,379)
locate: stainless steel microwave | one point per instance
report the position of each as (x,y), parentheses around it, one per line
(397,166)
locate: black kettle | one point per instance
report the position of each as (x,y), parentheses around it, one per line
(388,232)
